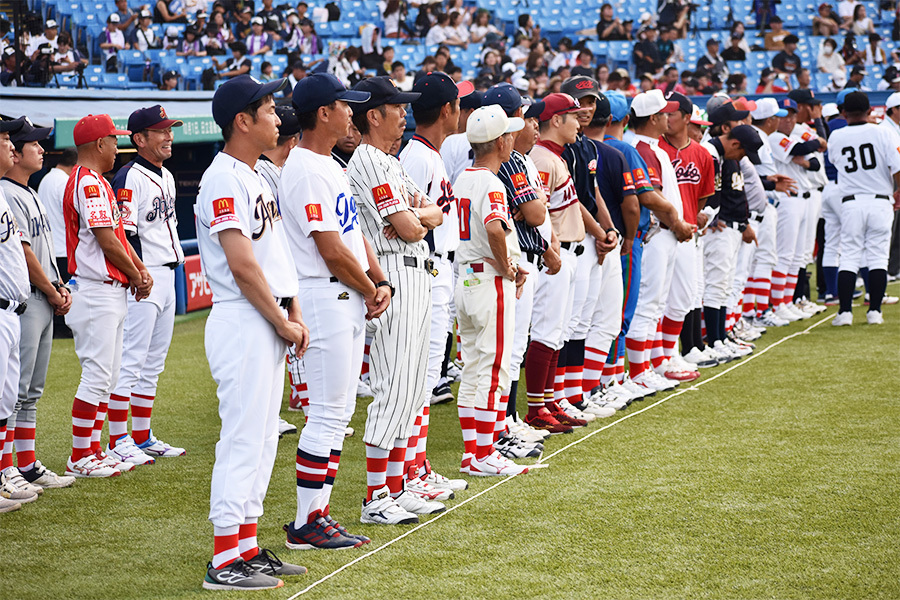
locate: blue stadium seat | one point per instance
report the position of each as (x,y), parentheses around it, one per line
(115,80)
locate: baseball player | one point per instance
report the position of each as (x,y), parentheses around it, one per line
(255,316)
(867,159)
(456,151)
(831,211)
(486,287)
(395,215)
(436,112)
(104,268)
(341,284)
(48,296)
(13,297)
(145,190)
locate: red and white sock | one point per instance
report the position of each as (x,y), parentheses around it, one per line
(671,330)
(98,427)
(395,473)
(118,418)
(500,423)
(376,469)
(594,363)
(83,417)
(748,305)
(334,460)
(226,542)
(789,288)
(312,468)
(609,374)
(24,440)
(364,373)
(458,345)
(247,544)
(574,374)
(636,350)
(763,289)
(422,445)
(9,435)
(778,285)
(467,425)
(656,348)
(141,410)
(485,422)
(620,369)
(409,459)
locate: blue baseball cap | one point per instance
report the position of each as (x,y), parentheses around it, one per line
(618,105)
(471,101)
(437,89)
(505,95)
(238,93)
(841,95)
(787,104)
(382,90)
(321,89)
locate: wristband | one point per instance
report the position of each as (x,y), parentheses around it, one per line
(386,284)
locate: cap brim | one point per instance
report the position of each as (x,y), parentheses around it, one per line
(403,98)
(701,122)
(464,88)
(268,88)
(534,111)
(167,123)
(39,134)
(11,125)
(753,155)
(781,113)
(670,107)
(119,132)
(515,124)
(354,96)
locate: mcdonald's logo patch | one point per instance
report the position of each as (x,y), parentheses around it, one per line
(519,181)
(383,196)
(496,197)
(545,178)
(223,206)
(92,191)
(784,143)
(629,180)
(124,195)
(313,212)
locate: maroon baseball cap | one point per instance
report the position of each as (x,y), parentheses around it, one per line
(93,127)
(553,104)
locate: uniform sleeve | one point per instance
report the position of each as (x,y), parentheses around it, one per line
(891,146)
(223,204)
(654,169)
(639,177)
(707,175)
(20,214)
(493,204)
(781,147)
(93,206)
(312,201)
(619,170)
(546,172)
(377,185)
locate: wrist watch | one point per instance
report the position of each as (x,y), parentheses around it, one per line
(386,284)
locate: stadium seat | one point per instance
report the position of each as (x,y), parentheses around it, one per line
(115,80)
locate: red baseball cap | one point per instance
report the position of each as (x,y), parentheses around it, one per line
(554,104)
(743,103)
(93,127)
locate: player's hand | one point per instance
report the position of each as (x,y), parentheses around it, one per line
(295,334)
(521,276)
(683,230)
(626,247)
(702,219)
(378,303)
(749,236)
(552,261)
(508,270)
(785,184)
(390,233)
(607,244)
(61,301)
(517,215)
(823,144)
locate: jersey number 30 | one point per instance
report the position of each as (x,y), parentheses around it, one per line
(866,158)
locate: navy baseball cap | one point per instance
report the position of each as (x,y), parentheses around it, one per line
(618,105)
(238,93)
(580,86)
(382,90)
(787,104)
(153,117)
(684,105)
(804,97)
(856,101)
(726,113)
(10,125)
(437,89)
(321,89)
(604,109)
(288,117)
(29,133)
(750,141)
(505,95)
(471,101)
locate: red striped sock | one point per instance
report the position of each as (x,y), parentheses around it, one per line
(334,461)
(763,289)
(671,329)
(620,369)
(467,424)
(395,472)
(83,416)
(657,355)
(749,298)
(636,350)
(500,421)
(778,288)
(409,459)
(225,542)
(422,446)
(118,418)
(574,376)
(789,288)
(485,421)
(98,427)
(6,442)
(609,373)
(247,545)
(458,346)
(376,469)
(141,410)
(24,439)
(594,363)
(364,372)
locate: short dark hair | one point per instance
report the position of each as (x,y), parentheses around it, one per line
(307,121)
(480,149)
(427,116)
(637,122)
(68,158)
(251,109)
(544,125)
(599,121)
(397,63)
(523,19)
(361,119)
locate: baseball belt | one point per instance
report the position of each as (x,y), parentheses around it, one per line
(803,195)
(575,247)
(451,256)
(284,302)
(535,259)
(877,197)
(19,306)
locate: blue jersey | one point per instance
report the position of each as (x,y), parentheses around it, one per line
(639,175)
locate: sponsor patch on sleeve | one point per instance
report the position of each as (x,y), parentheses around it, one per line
(92,191)
(545,179)
(384,196)
(223,211)
(313,212)
(99,213)
(784,143)
(519,181)
(124,195)
(640,180)
(806,136)
(629,180)
(498,208)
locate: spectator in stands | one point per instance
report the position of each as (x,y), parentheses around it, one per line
(297,72)
(442,59)
(258,42)
(645,54)
(67,57)
(201,20)
(268,12)
(846,9)
(736,84)
(734,51)
(829,60)
(625,86)
(850,53)
(528,28)
(455,73)
(490,66)
(675,14)
(804,81)
(242,28)
(51,32)
(611,27)
(169,81)
(170,11)
(890,80)
(482,26)
(614,81)
(765,12)
(602,76)
(691,87)
(770,83)
(786,61)
(563,57)
(144,38)
(585,64)
(861,24)
(426,19)
(774,39)
(194,7)
(737,28)
(712,63)
(191,45)
(309,41)
(290,33)
(535,67)
(302,9)
(645,83)
(218,35)
(347,68)
(239,63)
(519,53)
(460,7)
(10,75)
(266,71)
(398,74)
(393,15)
(874,52)
(387,59)
(127,17)
(857,74)
(111,41)
(458,29)
(827,22)
(669,51)
(170,40)
(838,82)
(669,82)
(428,65)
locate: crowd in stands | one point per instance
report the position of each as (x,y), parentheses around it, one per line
(837,46)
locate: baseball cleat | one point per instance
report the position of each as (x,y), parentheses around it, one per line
(340,528)
(524,431)
(363,390)
(600,411)
(648,380)
(842,318)
(384,510)
(564,418)
(417,505)
(7,505)
(14,476)
(89,466)
(238,576)
(14,487)
(111,461)
(424,490)
(156,447)
(546,421)
(317,535)
(349,431)
(609,398)
(494,465)
(874,317)
(720,352)
(285,428)
(267,563)
(126,451)
(442,393)
(785,313)
(454,372)
(768,319)
(41,476)
(511,447)
(464,463)
(436,480)
(575,412)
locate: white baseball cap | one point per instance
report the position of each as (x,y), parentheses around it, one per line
(839,78)
(652,102)
(829,110)
(488,123)
(767,107)
(892,101)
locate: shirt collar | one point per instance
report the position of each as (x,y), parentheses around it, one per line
(647,139)
(551,146)
(140,160)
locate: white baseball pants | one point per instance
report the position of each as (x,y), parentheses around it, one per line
(789,236)
(9,362)
(553,300)
(866,233)
(831,212)
(34,355)
(587,290)
(441,292)
(811,222)
(765,255)
(657,266)
(606,319)
(719,262)
(680,300)
(524,308)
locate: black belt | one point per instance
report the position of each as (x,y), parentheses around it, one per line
(536,259)
(578,248)
(758,218)
(284,302)
(738,225)
(37,291)
(821,189)
(5,304)
(877,197)
(451,256)
(803,195)
(425,263)
(172,265)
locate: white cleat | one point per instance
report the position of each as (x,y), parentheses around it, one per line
(363,390)
(115,463)
(426,491)
(785,313)
(697,357)
(874,317)
(495,465)
(156,447)
(575,413)
(384,510)
(843,318)
(43,477)
(637,392)
(126,451)
(89,466)
(285,427)
(349,431)
(14,487)
(525,431)
(435,479)
(417,505)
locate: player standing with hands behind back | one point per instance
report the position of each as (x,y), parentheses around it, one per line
(867,160)
(255,316)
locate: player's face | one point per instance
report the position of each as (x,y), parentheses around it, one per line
(528,137)
(395,117)
(159,144)
(453,119)
(7,151)
(342,117)
(265,127)
(568,128)
(586,112)
(786,124)
(695,132)
(676,122)
(32,157)
(109,148)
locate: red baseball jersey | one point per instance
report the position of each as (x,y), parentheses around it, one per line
(695,172)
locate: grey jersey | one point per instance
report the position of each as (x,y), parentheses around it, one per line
(381,188)
(34,224)
(270,172)
(753,187)
(13,270)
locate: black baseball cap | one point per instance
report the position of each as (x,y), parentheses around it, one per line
(504,95)
(437,89)
(153,117)
(170,74)
(604,109)
(472,101)
(238,93)
(382,90)
(10,125)
(289,123)
(750,141)
(684,105)
(856,102)
(321,89)
(804,97)
(29,133)
(726,113)
(580,86)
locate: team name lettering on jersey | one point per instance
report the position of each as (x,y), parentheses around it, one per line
(383,196)
(313,212)
(345,208)
(163,208)
(266,212)
(223,210)
(688,173)
(447,198)
(8,226)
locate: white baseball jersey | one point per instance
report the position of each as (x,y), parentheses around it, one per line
(146,196)
(866,156)
(90,202)
(425,166)
(457,154)
(315,196)
(888,123)
(34,227)
(766,164)
(14,283)
(51,190)
(817,179)
(781,146)
(234,196)
(271,173)
(482,199)
(667,176)
(381,188)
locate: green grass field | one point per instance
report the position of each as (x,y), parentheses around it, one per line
(780,478)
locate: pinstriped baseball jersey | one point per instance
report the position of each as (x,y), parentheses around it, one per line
(14,271)
(271,173)
(382,188)
(33,223)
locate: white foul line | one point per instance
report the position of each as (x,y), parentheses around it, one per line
(546,458)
